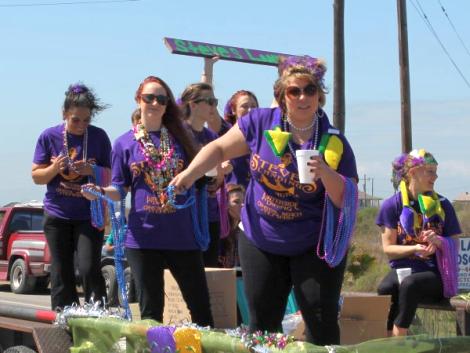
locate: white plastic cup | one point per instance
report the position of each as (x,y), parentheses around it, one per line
(212,173)
(402,273)
(303,157)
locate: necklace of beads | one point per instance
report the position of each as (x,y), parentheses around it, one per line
(313,143)
(306,128)
(161,162)
(66,149)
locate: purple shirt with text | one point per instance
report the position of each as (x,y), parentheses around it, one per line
(282,216)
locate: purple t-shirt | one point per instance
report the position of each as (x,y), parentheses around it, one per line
(204,137)
(149,225)
(282,216)
(63,198)
(241,171)
(389,217)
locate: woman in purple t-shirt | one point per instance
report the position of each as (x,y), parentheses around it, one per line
(283,244)
(199,106)
(419,231)
(144,160)
(66,157)
(240,104)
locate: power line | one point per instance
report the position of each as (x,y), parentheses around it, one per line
(431,28)
(65,3)
(453,27)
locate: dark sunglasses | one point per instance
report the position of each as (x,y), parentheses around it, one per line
(150,98)
(295,92)
(209,100)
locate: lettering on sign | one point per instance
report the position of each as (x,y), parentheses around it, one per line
(464,263)
(192,48)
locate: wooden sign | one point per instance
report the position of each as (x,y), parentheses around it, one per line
(192,48)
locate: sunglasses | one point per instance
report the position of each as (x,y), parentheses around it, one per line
(295,92)
(209,100)
(150,98)
(77,120)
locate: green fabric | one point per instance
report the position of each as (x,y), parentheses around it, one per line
(119,336)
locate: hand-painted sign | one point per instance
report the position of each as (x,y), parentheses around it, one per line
(464,264)
(192,48)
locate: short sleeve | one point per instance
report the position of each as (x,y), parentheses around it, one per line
(42,152)
(105,149)
(451,224)
(251,126)
(121,174)
(388,214)
(347,165)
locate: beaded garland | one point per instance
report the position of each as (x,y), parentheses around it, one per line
(118,225)
(333,245)
(162,162)
(65,151)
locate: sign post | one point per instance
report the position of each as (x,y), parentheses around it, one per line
(192,48)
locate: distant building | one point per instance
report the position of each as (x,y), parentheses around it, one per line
(366,200)
(463,199)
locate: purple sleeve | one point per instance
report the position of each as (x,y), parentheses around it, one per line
(42,153)
(105,150)
(388,215)
(451,224)
(250,126)
(121,175)
(347,165)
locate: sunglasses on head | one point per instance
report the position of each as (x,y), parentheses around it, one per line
(209,100)
(295,92)
(150,98)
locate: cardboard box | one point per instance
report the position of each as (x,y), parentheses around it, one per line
(363,318)
(222,291)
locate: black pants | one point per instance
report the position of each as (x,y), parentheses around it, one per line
(187,268)
(268,279)
(67,239)
(211,255)
(420,287)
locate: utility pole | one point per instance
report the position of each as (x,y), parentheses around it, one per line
(338,53)
(404,77)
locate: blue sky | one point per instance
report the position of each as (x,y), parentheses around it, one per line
(113,46)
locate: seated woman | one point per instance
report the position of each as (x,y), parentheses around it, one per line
(419,231)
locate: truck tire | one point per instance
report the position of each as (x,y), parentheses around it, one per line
(109,275)
(130,287)
(19,349)
(20,281)
(42,284)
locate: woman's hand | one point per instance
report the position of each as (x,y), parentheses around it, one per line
(431,237)
(88,195)
(425,250)
(227,167)
(318,167)
(183,181)
(59,163)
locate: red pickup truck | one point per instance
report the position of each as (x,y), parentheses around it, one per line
(24,255)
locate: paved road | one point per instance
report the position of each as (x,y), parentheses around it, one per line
(37,300)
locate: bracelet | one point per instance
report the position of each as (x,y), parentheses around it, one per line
(102,191)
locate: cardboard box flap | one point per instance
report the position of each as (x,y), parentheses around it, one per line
(371,308)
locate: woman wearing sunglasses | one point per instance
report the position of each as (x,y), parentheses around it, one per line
(199,106)
(159,235)
(66,157)
(419,235)
(285,244)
